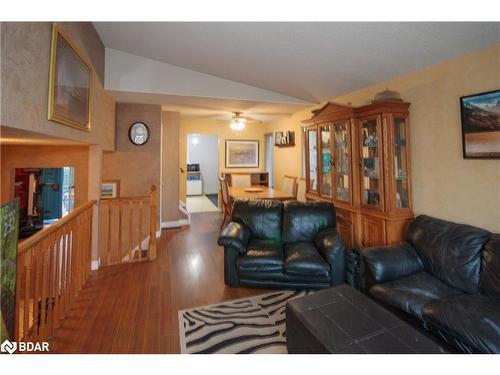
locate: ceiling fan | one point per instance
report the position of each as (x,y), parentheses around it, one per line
(237,121)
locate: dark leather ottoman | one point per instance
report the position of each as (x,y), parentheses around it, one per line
(342,320)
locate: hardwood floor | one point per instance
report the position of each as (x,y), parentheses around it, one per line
(132,308)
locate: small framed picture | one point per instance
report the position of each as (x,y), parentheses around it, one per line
(110,189)
(278,138)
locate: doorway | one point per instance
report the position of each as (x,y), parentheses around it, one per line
(269,144)
(45,195)
(202,181)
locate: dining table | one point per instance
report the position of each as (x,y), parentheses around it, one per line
(259,192)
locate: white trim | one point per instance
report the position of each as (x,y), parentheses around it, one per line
(161,164)
(94,266)
(144,246)
(183,209)
(174,223)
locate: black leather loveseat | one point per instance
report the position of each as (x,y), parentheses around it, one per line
(274,244)
(446,277)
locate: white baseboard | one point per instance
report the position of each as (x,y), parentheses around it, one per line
(174,223)
(183,209)
(144,245)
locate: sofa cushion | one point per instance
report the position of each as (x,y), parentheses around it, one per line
(262,256)
(412,293)
(490,273)
(450,251)
(303,221)
(302,258)
(468,322)
(262,217)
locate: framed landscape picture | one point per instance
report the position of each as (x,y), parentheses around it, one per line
(481,125)
(110,189)
(69,83)
(242,154)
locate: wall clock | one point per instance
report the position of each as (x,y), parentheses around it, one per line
(138,133)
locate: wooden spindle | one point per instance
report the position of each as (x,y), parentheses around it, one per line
(57,285)
(152,224)
(18,332)
(109,235)
(130,242)
(140,228)
(43,291)
(120,231)
(63,273)
(50,285)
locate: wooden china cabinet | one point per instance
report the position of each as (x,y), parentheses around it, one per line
(330,164)
(359,158)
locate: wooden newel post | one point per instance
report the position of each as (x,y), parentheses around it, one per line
(152,223)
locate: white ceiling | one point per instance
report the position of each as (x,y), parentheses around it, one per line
(210,108)
(309,61)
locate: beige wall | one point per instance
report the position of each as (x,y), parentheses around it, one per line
(25,58)
(444,184)
(136,167)
(16,156)
(170,166)
(252,131)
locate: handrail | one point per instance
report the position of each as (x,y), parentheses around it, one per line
(52,267)
(48,230)
(144,197)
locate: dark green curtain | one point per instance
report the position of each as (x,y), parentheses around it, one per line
(51,195)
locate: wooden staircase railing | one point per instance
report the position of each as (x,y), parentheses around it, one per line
(127,229)
(52,267)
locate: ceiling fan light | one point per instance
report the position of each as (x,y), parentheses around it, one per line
(237,124)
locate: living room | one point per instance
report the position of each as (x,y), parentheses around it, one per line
(251,187)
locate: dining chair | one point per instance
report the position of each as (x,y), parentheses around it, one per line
(301,190)
(289,185)
(241,180)
(226,201)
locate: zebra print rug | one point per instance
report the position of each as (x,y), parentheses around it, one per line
(247,325)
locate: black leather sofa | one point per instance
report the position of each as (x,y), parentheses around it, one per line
(274,244)
(446,278)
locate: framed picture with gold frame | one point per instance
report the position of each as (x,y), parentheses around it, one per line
(69,83)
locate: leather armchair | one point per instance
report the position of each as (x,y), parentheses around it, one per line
(275,244)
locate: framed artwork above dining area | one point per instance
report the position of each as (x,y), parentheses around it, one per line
(242,153)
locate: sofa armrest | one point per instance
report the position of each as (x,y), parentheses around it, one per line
(331,247)
(235,235)
(387,263)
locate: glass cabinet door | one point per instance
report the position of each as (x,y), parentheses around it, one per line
(342,161)
(371,148)
(312,141)
(401,163)
(326,160)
